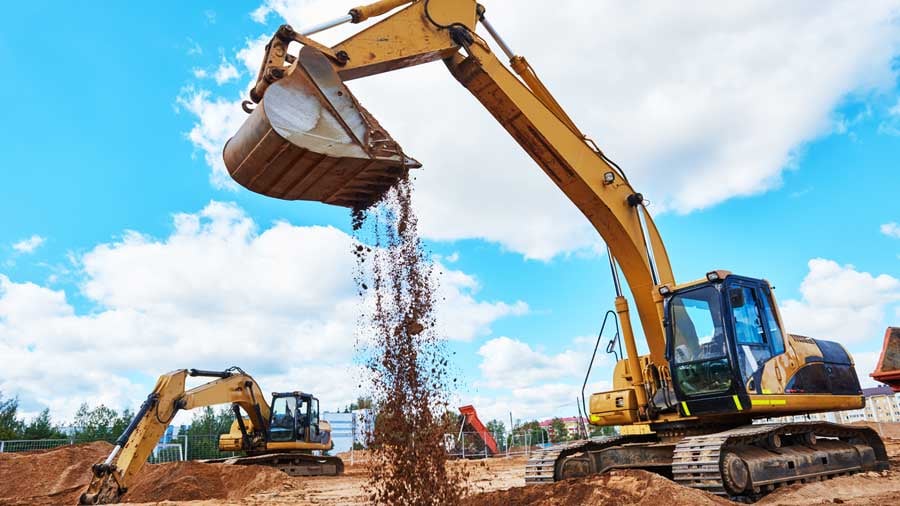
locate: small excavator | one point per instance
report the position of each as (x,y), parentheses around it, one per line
(283,434)
(719,355)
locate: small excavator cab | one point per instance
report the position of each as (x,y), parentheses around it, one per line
(294,417)
(720,333)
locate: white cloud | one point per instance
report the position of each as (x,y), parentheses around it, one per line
(279,302)
(219,119)
(200,73)
(842,304)
(716,104)
(226,72)
(29,245)
(510,363)
(891,229)
(891,125)
(194,49)
(460,316)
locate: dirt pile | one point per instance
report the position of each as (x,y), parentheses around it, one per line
(614,488)
(188,481)
(867,488)
(887,430)
(404,356)
(59,476)
(55,476)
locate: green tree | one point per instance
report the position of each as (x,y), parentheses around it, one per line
(558,431)
(208,421)
(41,427)
(497,429)
(98,424)
(10,425)
(534,431)
(603,431)
(360,403)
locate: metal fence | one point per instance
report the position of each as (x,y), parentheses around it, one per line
(28,445)
(182,447)
(471,444)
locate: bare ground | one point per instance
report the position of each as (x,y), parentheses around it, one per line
(58,476)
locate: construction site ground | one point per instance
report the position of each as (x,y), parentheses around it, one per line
(58,476)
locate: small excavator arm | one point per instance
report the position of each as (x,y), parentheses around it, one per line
(112,477)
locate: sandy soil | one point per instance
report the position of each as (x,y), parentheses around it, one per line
(58,476)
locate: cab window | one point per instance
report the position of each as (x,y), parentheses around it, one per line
(772,322)
(283,413)
(303,417)
(752,345)
(697,324)
(699,352)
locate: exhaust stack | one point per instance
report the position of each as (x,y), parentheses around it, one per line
(310,139)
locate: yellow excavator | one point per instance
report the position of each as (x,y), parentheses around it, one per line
(283,434)
(719,357)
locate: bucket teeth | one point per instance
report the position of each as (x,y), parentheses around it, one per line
(310,139)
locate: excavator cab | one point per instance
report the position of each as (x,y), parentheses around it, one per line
(720,334)
(295,418)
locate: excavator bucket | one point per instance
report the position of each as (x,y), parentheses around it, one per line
(309,139)
(888,369)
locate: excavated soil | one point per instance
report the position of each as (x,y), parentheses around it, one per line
(188,481)
(60,475)
(616,487)
(55,476)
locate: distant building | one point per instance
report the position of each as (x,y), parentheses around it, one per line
(574,426)
(882,405)
(349,428)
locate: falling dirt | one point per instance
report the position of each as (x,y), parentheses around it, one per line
(404,356)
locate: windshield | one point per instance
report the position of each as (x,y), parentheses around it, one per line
(699,351)
(282,428)
(697,324)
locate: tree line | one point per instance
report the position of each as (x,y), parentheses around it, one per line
(99,423)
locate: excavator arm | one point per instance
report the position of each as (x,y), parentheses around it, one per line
(283,155)
(112,477)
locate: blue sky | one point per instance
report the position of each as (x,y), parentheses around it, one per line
(768,145)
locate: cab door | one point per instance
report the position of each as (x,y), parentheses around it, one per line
(757,335)
(701,355)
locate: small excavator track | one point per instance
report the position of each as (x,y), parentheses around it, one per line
(748,462)
(292,463)
(542,466)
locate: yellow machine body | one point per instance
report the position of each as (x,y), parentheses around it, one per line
(250,435)
(718,353)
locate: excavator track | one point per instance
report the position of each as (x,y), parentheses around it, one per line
(748,462)
(542,466)
(293,464)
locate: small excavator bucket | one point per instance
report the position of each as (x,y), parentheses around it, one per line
(309,139)
(888,369)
